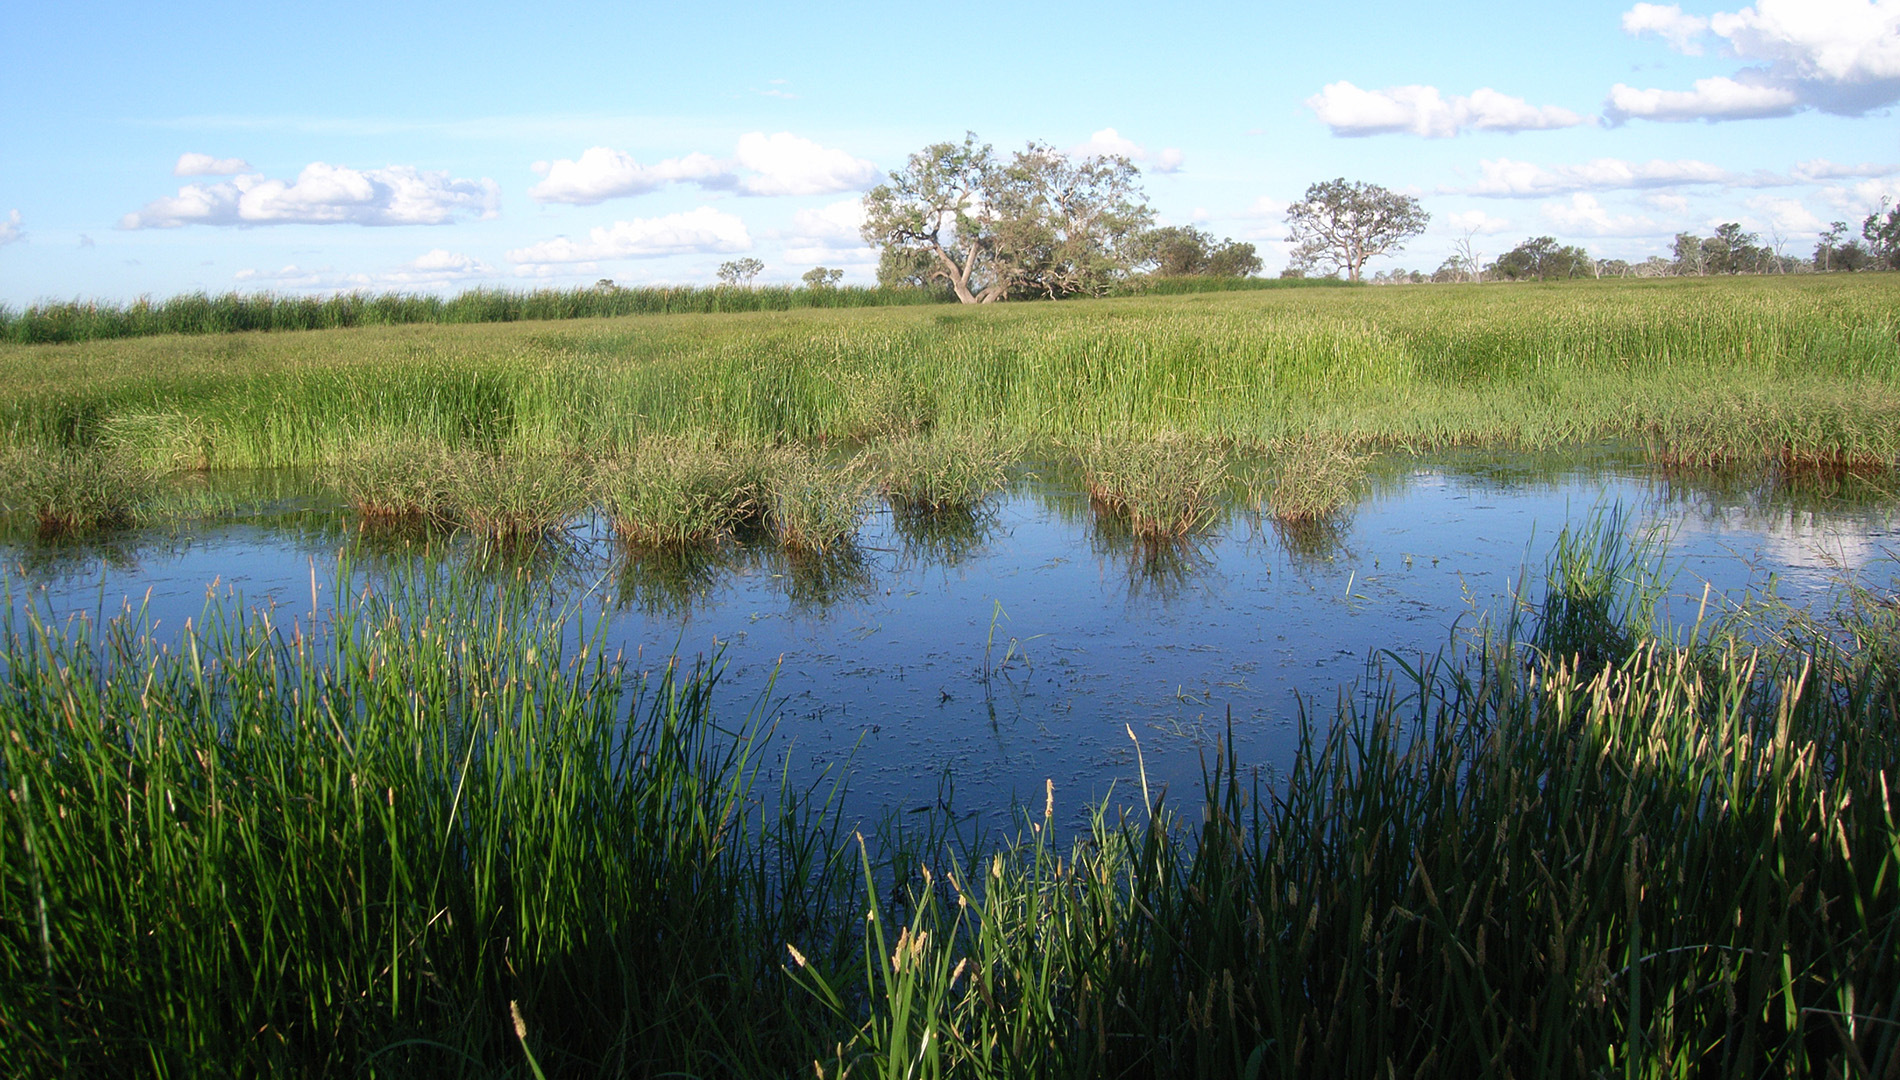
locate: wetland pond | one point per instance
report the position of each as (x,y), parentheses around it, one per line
(988,655)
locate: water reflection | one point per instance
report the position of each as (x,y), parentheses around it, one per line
(1021,640)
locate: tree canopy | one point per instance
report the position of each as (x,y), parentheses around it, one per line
(1185,251)
(1340,224)
(1041,223)
(1542,258)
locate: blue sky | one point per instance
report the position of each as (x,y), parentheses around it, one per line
(155,149)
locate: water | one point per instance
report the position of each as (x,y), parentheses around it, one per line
(1034,645)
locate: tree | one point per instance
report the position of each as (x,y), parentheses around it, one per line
(1732,251)
(1340,225)
(740,271)
(1543,258)
(1185,251)
(1689,254)
(1040,223)
(1883,235)
(820,278)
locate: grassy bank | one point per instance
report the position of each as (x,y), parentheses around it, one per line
(439,834)
(1701,369)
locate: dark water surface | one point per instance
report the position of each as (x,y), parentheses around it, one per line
(1026,644)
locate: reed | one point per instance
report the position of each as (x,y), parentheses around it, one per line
(684,492)
(66,493)
(1164,488)
(1311,479)
(1703,368)
(514,498)
(934,473)
(814,505)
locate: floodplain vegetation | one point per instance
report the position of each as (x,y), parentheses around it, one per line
(439,831)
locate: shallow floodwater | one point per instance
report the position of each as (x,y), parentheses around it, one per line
(1024,645)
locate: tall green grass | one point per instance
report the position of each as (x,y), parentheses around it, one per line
(439,833)
(1806,367)
(233,312)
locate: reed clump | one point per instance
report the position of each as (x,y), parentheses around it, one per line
(74,492)
(1164,487)
(394,481)
(511,497)
(938,472)
(814,505)
(685,492)
(1311,478)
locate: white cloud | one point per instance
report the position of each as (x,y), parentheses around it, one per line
(1422,110)
(1860,199)
(1266,206)
(604,173)
(1585,215)
(1822,169)
(788,165)
(10,231)
(1522,179)
(206,165)
(829,235)
(1108,143)
(781,164)
(324,195)
(1839,56)
(695,231)
(1786,216)
(1717,98)
(1682,32)
(1667,203)
(1474,221)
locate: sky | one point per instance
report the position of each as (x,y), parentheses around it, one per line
(309,148)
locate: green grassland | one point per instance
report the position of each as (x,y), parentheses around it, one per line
(1701,369)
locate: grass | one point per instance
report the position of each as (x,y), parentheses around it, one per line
(230,313)
(935,473)
(680,492)
(69,493)
(1811,364)
(814,506)
(441,831)
(1163,488)
(1311,479)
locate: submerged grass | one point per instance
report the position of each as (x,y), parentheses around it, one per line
(438,833)
(1709,367)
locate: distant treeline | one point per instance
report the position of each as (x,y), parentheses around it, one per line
(201,313)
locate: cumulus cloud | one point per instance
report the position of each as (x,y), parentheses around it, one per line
(829,235)
(1506,178)
(781,164)
(1422,110)
(206,165)
(324,194)
(1668,203)
(1838,56)
(1682,32)
(784,164)
(1583,214)
(1474,221)
(10,231)
(1108,143)
(700,231)
(602,173)
(1782,215)
(1860,199)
